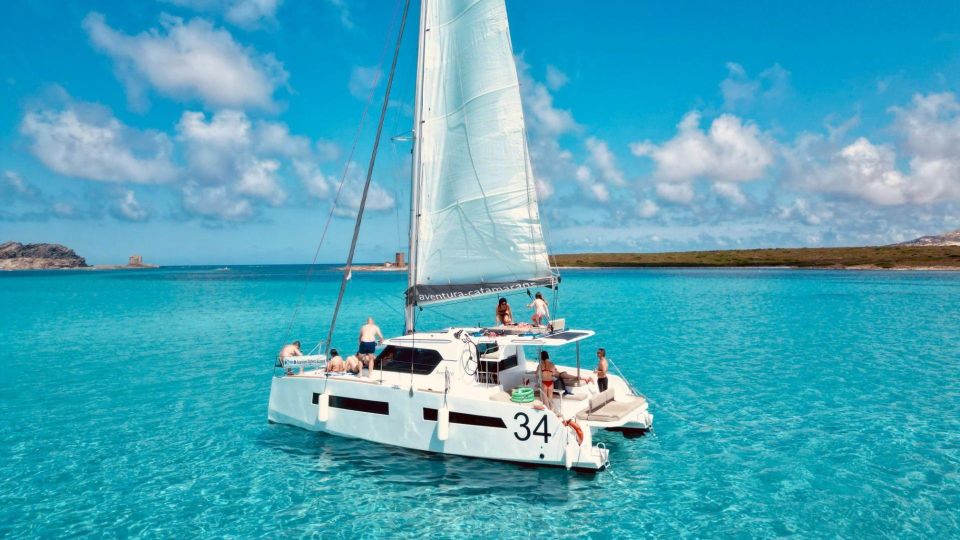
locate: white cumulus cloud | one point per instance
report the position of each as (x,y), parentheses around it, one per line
(731,192)
(248,14)
(87,141)
(216,202)
(128,208)
(739,89)
(730,151)
(604,161)
(927,133)
(259,179)
(190,60)
(556,79)
(681,193)
(647,209)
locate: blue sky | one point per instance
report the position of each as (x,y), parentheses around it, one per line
(216,131)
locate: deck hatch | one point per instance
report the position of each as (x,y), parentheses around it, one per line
(356,404)
(466,419)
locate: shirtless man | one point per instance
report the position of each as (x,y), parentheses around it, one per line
(602,380)
(369,336)
(353,365)
(335,364)
(292,349)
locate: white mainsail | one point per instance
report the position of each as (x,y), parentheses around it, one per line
(475,223)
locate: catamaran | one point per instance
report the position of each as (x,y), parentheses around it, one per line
(475,233)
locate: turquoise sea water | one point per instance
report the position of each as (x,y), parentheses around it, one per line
(808,403)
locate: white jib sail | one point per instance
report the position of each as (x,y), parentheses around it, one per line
(478,230)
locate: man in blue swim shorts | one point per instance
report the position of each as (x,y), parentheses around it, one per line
(369,336)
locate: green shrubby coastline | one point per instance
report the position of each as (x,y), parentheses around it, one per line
(899,257)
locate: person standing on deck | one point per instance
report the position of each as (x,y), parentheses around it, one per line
(504,314)
(540,309)
(548,371)
(370,335)
(602,380)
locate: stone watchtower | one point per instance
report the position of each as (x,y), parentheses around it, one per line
(136,260)
(399,260)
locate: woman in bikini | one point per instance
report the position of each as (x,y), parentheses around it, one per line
(504,314)
(547,372)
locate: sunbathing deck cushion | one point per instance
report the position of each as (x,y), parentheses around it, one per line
(600,399)
(613,410)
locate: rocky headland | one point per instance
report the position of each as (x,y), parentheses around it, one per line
(951,238)
(17,256)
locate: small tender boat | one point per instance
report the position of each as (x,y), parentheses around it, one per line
(475,232)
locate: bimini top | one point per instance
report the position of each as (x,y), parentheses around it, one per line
(484,335)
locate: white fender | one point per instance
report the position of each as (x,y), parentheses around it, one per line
(323,407)
(443,423)
(571,450)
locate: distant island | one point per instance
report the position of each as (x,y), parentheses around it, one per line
(941,252)
(856,258)
(17,256)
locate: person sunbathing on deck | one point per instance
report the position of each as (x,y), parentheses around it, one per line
(335,364)
(353,365)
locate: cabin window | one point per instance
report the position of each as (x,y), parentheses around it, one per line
(407,360)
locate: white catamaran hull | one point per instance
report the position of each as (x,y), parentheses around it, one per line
(352,407)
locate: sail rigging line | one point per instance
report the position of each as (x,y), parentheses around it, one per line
(366,185)
(336,199)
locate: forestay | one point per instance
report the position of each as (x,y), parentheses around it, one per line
(476,221)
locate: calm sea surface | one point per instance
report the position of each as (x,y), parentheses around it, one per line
(808,403)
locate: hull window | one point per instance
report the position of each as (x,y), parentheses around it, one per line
(356,404)
(467,419)
(407,360)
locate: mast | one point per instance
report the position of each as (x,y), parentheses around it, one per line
(366,185)
(410,310)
